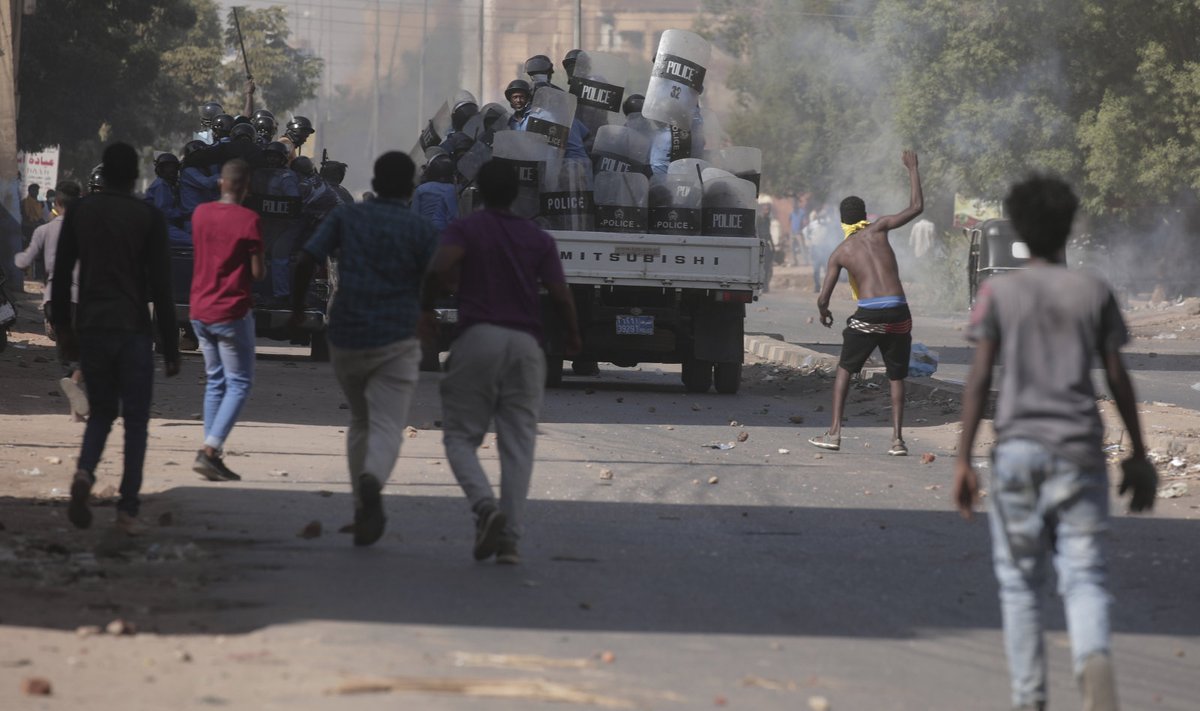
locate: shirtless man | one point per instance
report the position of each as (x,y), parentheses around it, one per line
(882,320)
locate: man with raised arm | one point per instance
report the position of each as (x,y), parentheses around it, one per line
(882,320)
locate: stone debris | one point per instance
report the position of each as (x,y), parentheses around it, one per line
(54,460)
(88,631)
(819,703)
(713,480)
(411,432)
(607,657)
(796,419)
(928,458)
(35,686)
(1173,490)
(696,407)
(734,423)
(278,472)
(606,474)
(784,451)
(312,530)
(120,627)
(31,472)
(743,436)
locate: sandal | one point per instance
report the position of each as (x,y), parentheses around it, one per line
(899,449)
(826,441)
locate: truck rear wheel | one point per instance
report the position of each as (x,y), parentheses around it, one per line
(697,376)
(727,377)
(319,351)
(554,370)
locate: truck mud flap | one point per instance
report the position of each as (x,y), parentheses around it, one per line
(717,331)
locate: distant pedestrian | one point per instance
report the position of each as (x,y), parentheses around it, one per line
(1049,492)
(228,257)
(45,244)
(120,244)
(496,262)
(385,249)
(883,319)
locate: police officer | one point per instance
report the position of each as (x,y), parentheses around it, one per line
(457,142)
(96,179)
(540,70)
(221,126)
(518,93)
(165,194)
(208,112)
(568,65)
(265,126)
(333,173)
(295,134)
(275,196)
(317,198)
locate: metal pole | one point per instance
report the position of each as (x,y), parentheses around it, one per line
(479,96)
(579,23)
(375,100)
(421,67)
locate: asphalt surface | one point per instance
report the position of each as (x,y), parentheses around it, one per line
(1166,376)
(658,572)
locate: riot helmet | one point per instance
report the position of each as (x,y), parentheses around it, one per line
(192,146)
(521,88)
(462,113)
(208,112)
(568,62)
(303,166)
(539,64)
(333,171)
(241,119)
(242,130)
(633,105)
(298,130)
(262,112)
(276,154)
(166,166)
(96,179)
(440,169)
(221,126)
(265,127)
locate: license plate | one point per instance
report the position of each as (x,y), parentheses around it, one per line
(629,325)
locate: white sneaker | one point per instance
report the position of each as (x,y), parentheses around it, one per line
(76,396)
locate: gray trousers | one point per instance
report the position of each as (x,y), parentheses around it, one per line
(378,384)
(495,374)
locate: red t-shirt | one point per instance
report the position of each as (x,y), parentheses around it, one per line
(224,236)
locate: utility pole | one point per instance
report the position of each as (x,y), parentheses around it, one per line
(421,68)
(10,220)
(578,33)
(374,140)
(479,96)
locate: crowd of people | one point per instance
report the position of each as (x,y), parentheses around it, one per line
(402,251)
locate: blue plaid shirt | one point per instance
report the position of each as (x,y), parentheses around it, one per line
(385,249)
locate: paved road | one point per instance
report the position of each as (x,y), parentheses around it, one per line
(789,577)
(1166,376)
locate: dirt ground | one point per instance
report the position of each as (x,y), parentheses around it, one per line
(106,586)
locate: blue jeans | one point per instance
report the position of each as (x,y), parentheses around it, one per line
(1045,507)
(119,371)
(228,350)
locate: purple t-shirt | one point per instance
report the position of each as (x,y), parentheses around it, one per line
(505,259)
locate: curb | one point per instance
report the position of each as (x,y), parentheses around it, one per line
(809,361)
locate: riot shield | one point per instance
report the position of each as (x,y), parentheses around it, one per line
(599,86)
(688,166)
(469,164)
(551,116)
(743,161)
(621,150)
(677,79)
(622,202)
(436,128)
(729,206)
(527,153)
(675,204)
(565,199)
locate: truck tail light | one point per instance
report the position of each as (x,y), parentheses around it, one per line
(735,297)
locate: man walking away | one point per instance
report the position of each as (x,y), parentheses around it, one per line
(882,320)
(45,243)
(1049,483)
(120,244)
(385,250)
(228,256)
(497,369)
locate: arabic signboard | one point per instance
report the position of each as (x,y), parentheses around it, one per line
(40,168)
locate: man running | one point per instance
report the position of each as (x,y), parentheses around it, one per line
(882,320)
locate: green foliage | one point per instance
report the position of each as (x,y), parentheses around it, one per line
(1103,92)
(137,70)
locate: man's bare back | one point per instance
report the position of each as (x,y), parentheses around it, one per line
(868,256)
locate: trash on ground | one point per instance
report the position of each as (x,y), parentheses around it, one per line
(928,458)
(497,688)
(719,445)
(524,662)
(35,686)
(31,472)
(411,432)
(54,460)
(1174,490)
(312,530)
(119,627)
(784,451)
(743,436)
(923,362)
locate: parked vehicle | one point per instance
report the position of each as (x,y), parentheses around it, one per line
(995,248)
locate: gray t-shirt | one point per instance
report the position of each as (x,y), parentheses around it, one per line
(1050,324)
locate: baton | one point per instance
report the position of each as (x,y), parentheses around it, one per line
(246,61)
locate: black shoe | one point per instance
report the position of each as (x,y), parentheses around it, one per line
(78,512)
(368,517)
(489,526)
(213,468)
(507,554)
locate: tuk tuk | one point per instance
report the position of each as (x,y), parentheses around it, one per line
(995,248)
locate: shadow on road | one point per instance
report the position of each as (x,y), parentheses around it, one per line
(230,562)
